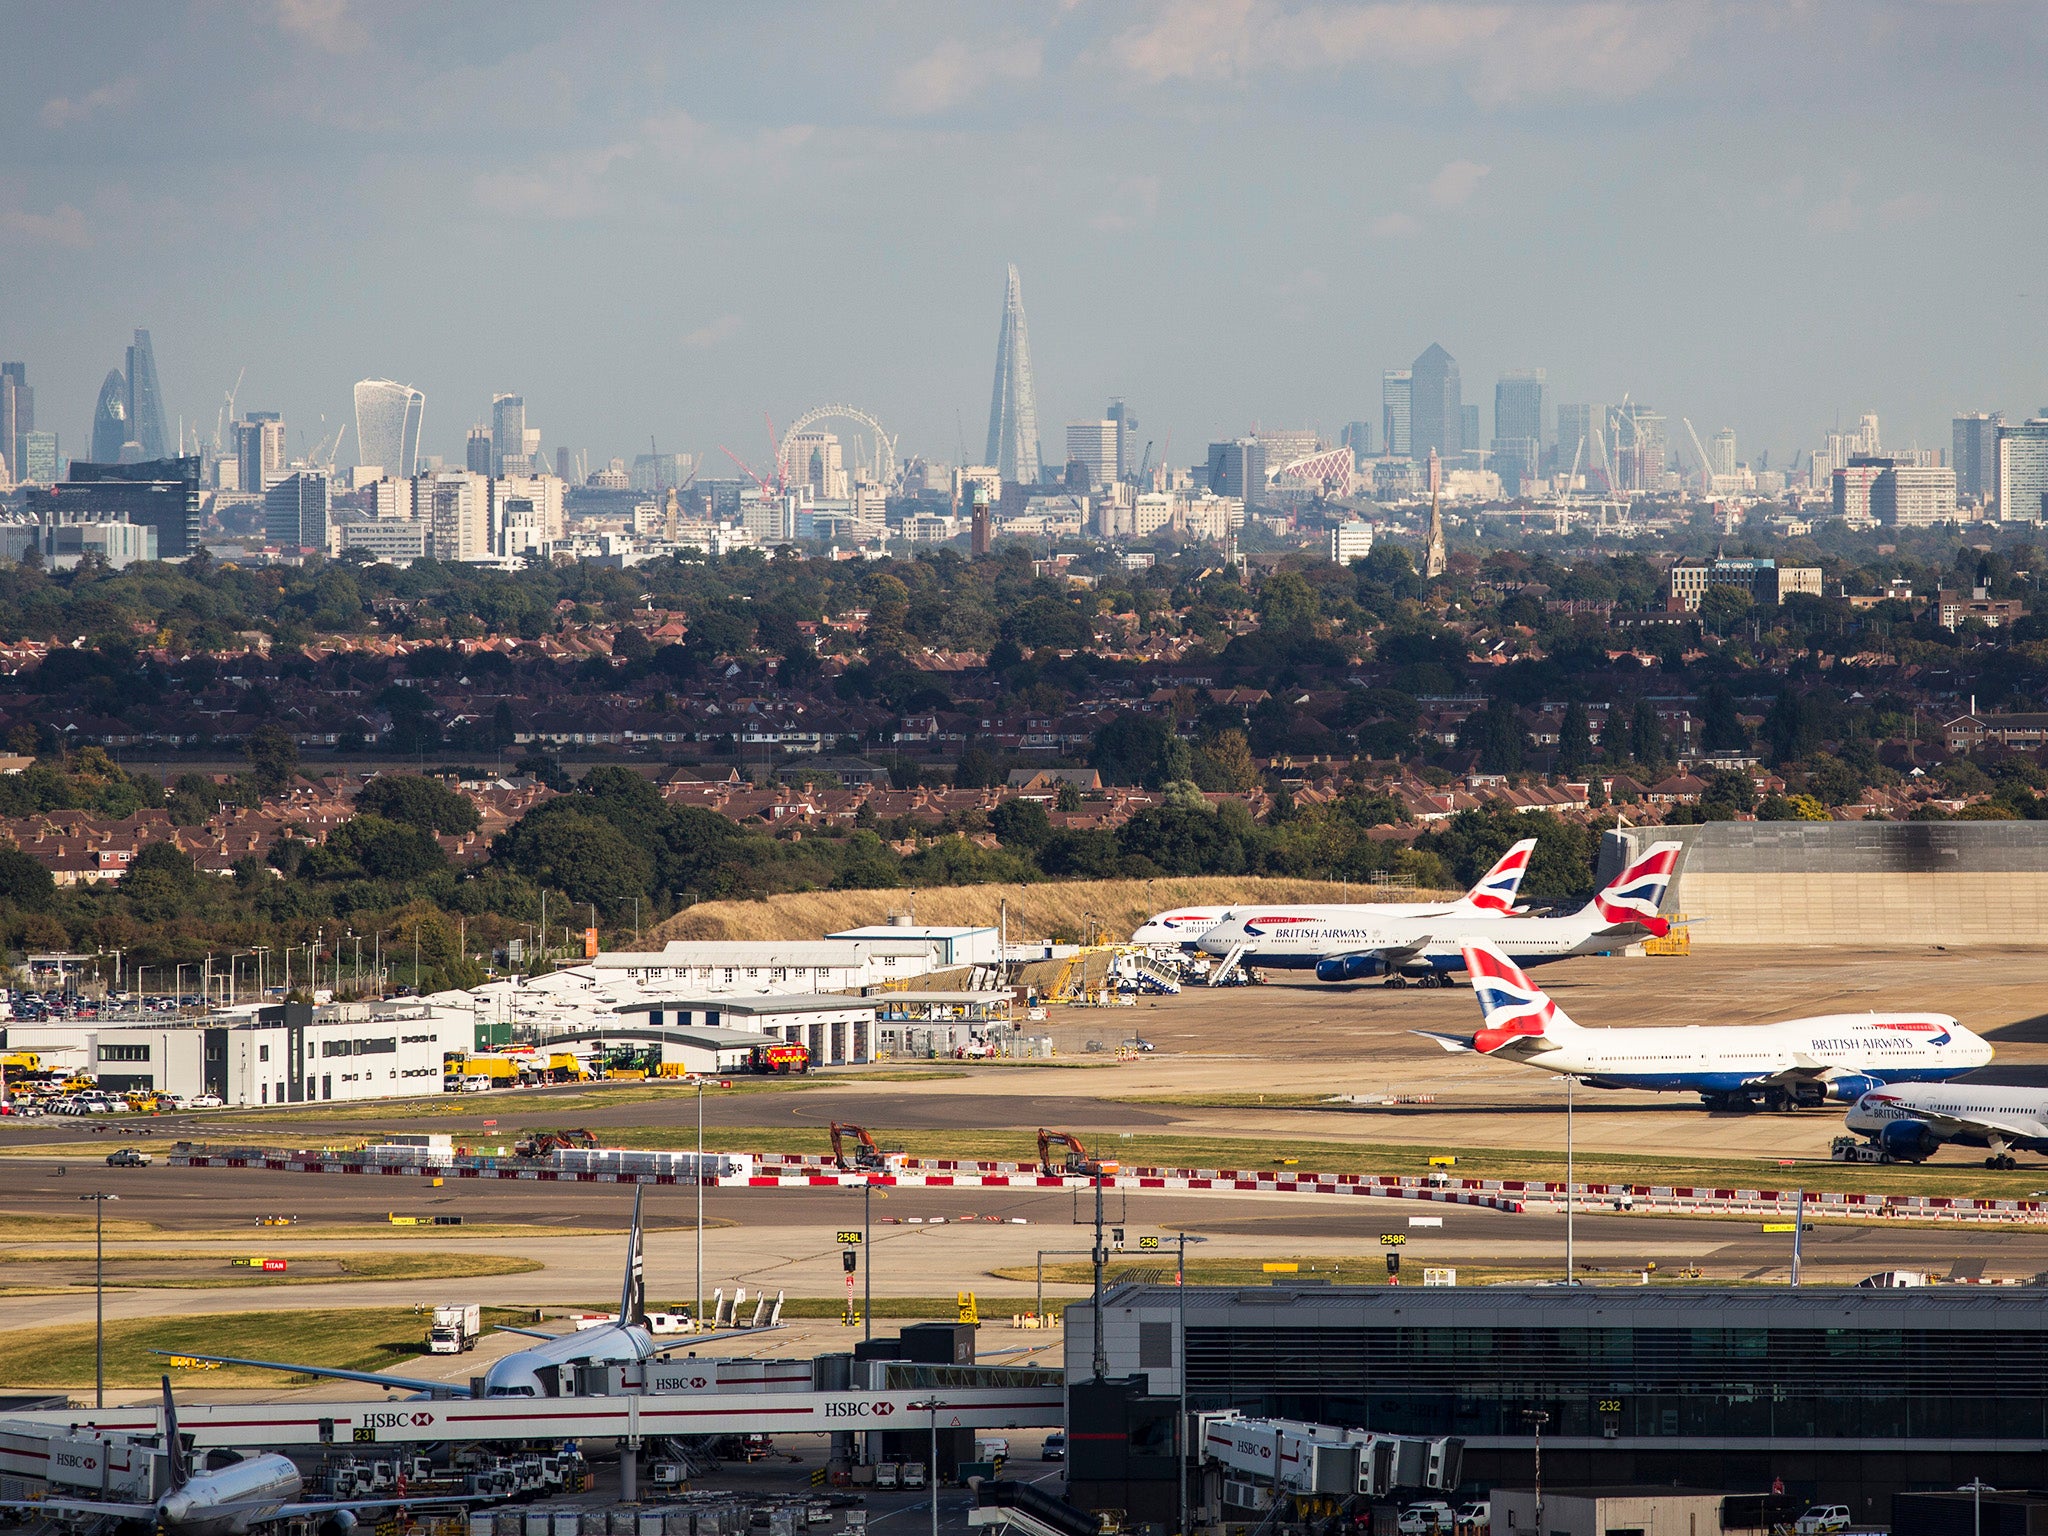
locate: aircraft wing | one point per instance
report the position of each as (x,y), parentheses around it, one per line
(354,1506)
(531,1333)
(375,1378)
(692,1341)
(84,1507)
(1448,1042)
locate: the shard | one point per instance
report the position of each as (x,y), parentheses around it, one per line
(145,400)
(388,426)
(1013,411)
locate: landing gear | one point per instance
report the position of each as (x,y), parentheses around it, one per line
(2001,1160)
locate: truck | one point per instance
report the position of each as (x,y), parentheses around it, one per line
(454,1330)
(780,1058)
(1853,1149)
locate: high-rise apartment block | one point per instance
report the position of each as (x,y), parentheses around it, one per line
(508,430)
(38,458)
(260,451)
(388,417)
(1093,446)
(1637,441)
(1914,495)
(1436,411)
(1013,407)
(1127,450)
(1350,541)
(1238,469)
(1397,403)
(2023,471)
(297,510)
(1975,455)
(477,458)
(1721,452)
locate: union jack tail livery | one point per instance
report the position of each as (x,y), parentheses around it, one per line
(1496,889)
(1634,895)
(1512,1007)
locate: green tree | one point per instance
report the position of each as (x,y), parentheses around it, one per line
(1132,749)
(1721,729)
(274,756)
(581,855)
(1574,739)
(1021,824)
(23,882)
(418,801)
(1646,734)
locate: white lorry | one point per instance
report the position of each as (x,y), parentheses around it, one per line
(454,1330)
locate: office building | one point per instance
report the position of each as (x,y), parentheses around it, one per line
(388,426)
(1767,582)
(38,459)
(1869,1391)
(1436,408)
(1721,452)
(1357,436)
(1013,407)
(146,414)
(62,546)
(296,511)
(1397,402)
(1579,429)
(1975,455)
(1238,469)
(816,461)
(1127,451)
(394,541)
(1093,446)
(1520,410)
(1914,495)
(162,494)
(259,451)
(477,459)
(1853,484)
(1350,541)
(543,493)
(17,416)
(1468,430)
(2023,470)
(110,419)
(508,430)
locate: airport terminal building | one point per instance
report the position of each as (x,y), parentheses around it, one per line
(1862,1394)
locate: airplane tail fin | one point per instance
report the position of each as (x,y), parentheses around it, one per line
(1634,895)
(174,1447)
(1496,889)
(633,1294)
(1512,1007)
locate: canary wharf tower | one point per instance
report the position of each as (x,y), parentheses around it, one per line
(1013,410)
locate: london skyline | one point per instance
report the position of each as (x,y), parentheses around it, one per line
(1225,212)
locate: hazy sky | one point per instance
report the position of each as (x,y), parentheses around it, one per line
(671,219)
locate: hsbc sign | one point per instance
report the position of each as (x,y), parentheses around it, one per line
(859,1408)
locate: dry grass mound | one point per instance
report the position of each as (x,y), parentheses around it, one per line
(1115,906)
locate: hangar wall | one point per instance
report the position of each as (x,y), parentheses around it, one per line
(1872,884)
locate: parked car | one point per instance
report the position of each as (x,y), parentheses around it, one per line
(1426,1519)
(1476,1515)
(1054,1449)
(128,1157)
(205,1101)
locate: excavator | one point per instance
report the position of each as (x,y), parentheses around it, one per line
(867,1157)
(542,1143)
(1076,1164)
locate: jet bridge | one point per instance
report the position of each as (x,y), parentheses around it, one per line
(1304,1458)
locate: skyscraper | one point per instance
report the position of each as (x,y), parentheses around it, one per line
(2023,471)
(1238,469)
(259,451)
(1976,455)
(1126,437)
(17,415)
(1637,443)
(1578,426)
(388,426)
(1093,445)
(1013,408)
(1357,436)
(1436,411)
(145,399)
(1397,399)
(38,458)
(1518,427)
(1722,451)
(296,511)
(110,419)
(508,430)
(478,459)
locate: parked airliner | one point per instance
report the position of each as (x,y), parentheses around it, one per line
(1907,1122)
(1430,945)
(1495,892)
(1799,1062)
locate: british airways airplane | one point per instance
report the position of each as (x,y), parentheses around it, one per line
(1361,942)
(1495,892)
(1841,1056)
(1908,1122)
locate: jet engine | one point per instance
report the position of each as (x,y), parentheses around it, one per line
(340,1523)
(1909,1141)
(1847,1090)
(1348,968)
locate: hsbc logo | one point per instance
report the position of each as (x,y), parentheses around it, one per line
(861,1409)
(397,1420)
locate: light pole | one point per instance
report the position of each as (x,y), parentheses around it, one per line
(1570,1268)
(1976,1487)
(932,1467)
(697,1316)
(867,1257)
(1180,1427)
(99,1296)
(1537,1419)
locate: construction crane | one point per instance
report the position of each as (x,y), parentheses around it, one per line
(1075,1164)
(1706,464)
(867,1157)
(227,413)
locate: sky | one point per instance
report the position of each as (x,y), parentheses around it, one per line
(678,222)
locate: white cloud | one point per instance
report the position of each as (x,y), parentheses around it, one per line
(1504,52)
(724,328)
(952,72)
(568,186)
(62,111)
(326,24)
(63,225)
(1135,202)
(1456,182)
(1395,226)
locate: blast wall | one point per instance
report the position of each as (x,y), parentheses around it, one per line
(1870,884)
